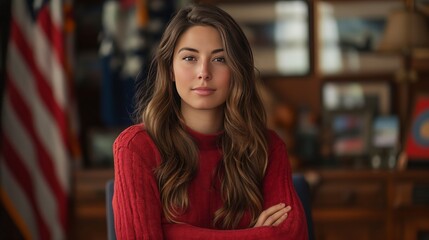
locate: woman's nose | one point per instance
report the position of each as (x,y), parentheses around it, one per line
(204,72)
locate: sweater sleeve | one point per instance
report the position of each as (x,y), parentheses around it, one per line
(278,187)
(136,203)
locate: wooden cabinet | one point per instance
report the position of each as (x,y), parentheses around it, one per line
(366,204)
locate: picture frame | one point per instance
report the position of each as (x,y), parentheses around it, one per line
(385,132)
(349,132)
(417,142)
(385,142)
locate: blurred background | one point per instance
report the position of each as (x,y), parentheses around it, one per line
(346,86)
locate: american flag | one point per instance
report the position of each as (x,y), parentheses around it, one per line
(35,121)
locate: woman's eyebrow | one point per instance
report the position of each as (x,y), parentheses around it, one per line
(218,50)
(187,49)
(195,50)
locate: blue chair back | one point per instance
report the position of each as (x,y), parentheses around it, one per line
(111,235)
(302,188)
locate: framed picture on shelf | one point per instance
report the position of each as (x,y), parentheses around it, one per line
(385,142)
(349,131)
(385,133)
(417,144)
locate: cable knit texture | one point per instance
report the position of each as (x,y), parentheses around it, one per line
(136,201)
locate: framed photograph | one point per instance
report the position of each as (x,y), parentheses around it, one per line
(350,132)
(385,132)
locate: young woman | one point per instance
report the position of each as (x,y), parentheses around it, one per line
(201,164)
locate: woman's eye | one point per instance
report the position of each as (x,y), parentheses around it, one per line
(189,58)
(219,59)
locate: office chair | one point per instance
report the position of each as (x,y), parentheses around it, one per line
(301,186)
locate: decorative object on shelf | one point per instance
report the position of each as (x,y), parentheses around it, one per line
(406,30)
(406,33)
(417,145)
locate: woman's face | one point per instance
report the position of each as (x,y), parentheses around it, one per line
(200,70)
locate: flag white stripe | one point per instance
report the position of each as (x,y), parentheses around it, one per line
(56,9)
(49,65)
(14,192)
(44,124)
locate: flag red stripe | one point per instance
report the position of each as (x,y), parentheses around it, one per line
(54,35)
(45,91)
(23,178)
(44,160)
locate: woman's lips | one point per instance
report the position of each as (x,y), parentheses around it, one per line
(203,91)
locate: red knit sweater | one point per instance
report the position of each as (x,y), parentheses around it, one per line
(136,201)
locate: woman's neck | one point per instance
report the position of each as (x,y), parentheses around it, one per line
(204,121)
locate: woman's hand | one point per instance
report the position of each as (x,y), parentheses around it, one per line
(273,216)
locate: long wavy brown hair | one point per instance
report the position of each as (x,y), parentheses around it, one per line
(243,142)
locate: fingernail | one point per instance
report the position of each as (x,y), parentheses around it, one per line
(282,204)
(289,207)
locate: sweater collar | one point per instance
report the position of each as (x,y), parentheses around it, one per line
(206,141)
